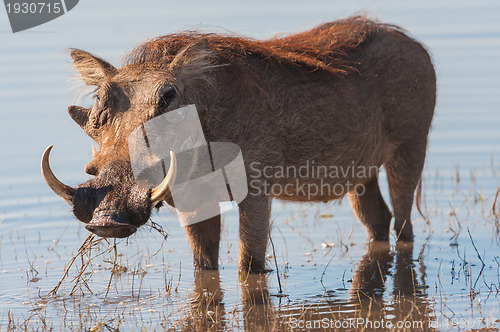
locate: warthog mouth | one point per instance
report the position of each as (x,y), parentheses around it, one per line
(110,224)
(111,228)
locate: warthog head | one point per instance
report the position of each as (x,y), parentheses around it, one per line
(112,204)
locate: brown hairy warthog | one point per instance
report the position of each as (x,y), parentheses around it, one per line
(349,95)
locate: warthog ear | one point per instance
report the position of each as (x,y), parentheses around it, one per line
(93,70)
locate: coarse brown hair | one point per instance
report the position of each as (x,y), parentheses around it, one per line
(320,48)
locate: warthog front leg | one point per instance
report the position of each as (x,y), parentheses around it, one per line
(204,238)
(255,212)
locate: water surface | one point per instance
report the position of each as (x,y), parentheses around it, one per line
(327,270)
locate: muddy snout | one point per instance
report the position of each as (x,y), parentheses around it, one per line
(112,204)
(110,224)
(114,209)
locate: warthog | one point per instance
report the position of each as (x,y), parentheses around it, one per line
(353,94)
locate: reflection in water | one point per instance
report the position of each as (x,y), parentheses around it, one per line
(257,308)
(207,309)
(372,303)
(407,303)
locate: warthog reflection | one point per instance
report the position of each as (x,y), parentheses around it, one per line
(371,299)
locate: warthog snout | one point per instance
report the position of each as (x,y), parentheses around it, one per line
(112,204)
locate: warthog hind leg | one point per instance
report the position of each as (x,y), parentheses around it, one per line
(369,206)
(403,172)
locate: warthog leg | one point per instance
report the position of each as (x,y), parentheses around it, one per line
(403,172)
(255,212)
(369,206)
(204,238)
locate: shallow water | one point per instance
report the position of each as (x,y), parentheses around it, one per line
(329,274)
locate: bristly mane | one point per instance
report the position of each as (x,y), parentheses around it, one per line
(320,48)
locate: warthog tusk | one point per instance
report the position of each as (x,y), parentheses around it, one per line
(62,190)
(162,190)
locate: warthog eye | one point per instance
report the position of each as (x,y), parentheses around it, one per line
(167,97)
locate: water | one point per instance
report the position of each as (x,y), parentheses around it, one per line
(440,280)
